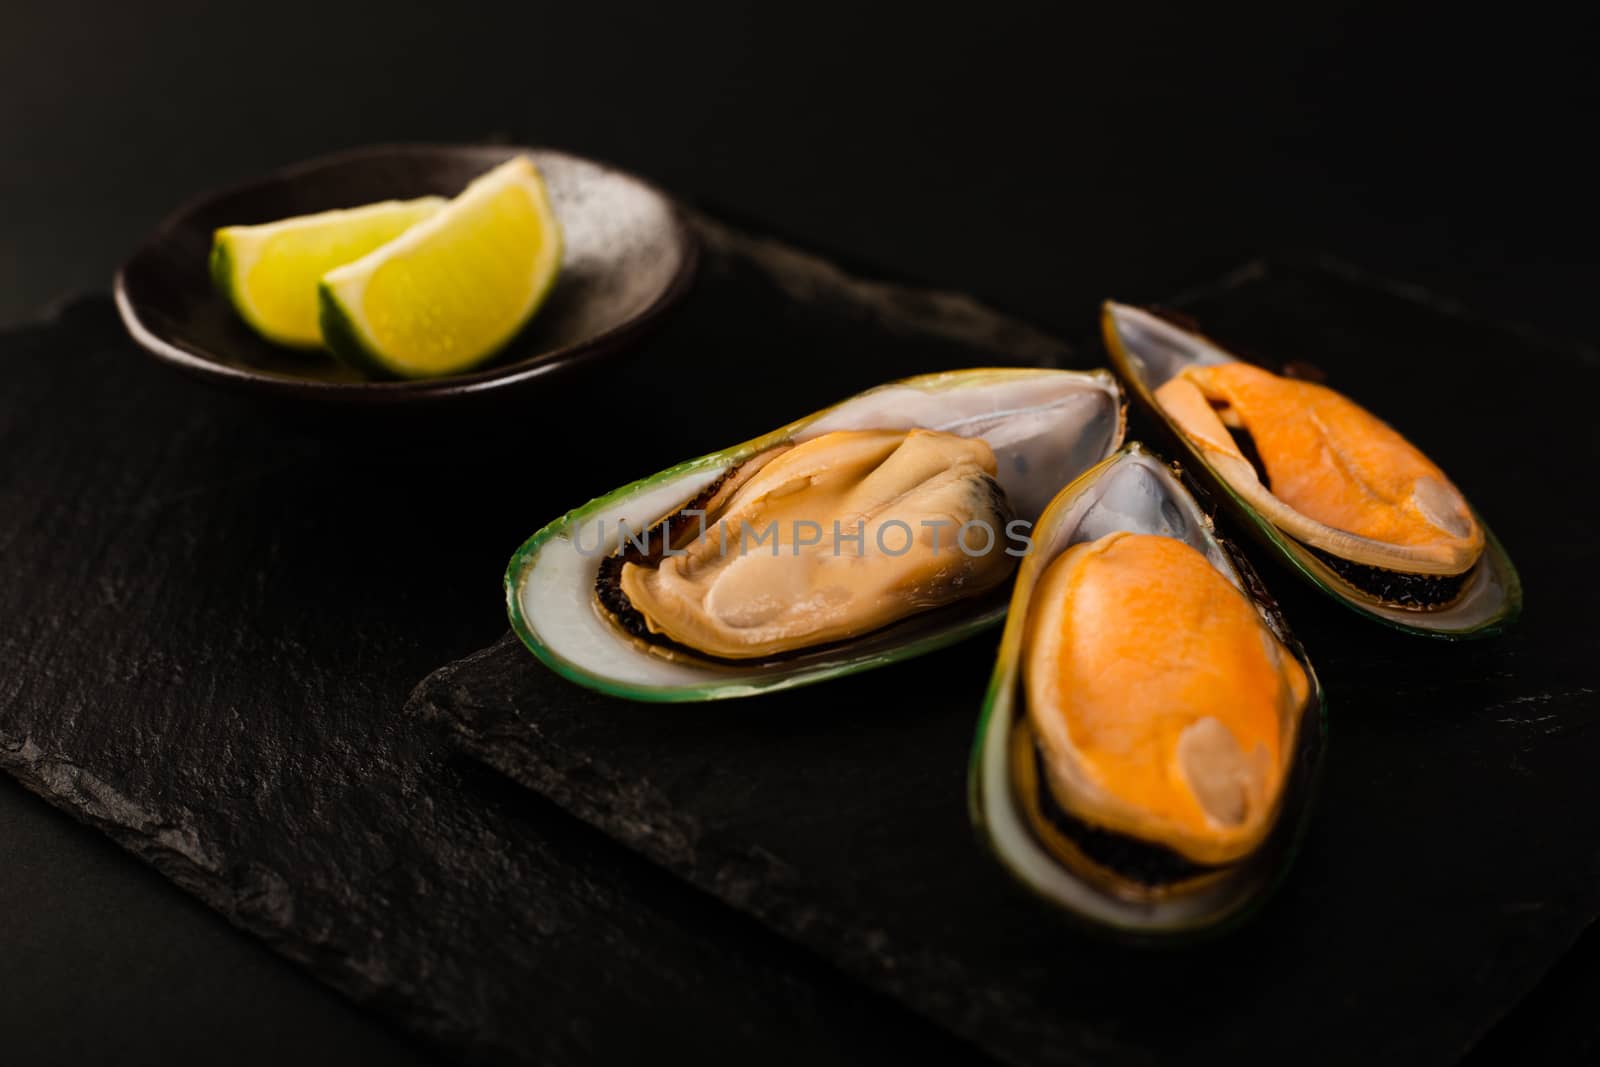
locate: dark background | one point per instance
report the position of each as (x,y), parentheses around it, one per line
(1041,157)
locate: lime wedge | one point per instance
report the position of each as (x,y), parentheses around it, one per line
(449,293)
(269,273)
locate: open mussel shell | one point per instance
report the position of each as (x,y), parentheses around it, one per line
(1147,351)
(1093,875)
(1045,428)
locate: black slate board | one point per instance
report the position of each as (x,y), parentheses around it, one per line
(1457,842)
(211,613)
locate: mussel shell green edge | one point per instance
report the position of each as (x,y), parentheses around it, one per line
(1494,571)
(661,492)
(1003,828)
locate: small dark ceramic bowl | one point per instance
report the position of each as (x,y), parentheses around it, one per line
(630,256)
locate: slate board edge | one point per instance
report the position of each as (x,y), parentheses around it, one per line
(749,881)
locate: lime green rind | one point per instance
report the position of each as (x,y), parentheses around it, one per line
(224,274)
(221,265)
(1301,561)
(347,342)
(1151,932)
(526,557)
(344,339)
(223,262)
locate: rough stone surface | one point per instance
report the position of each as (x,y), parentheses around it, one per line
(212,609)
(1453,858)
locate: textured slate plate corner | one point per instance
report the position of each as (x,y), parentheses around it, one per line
(1456,849)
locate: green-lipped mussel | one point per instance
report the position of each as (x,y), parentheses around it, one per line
(1150,739)
(877,529)
(1339,495)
